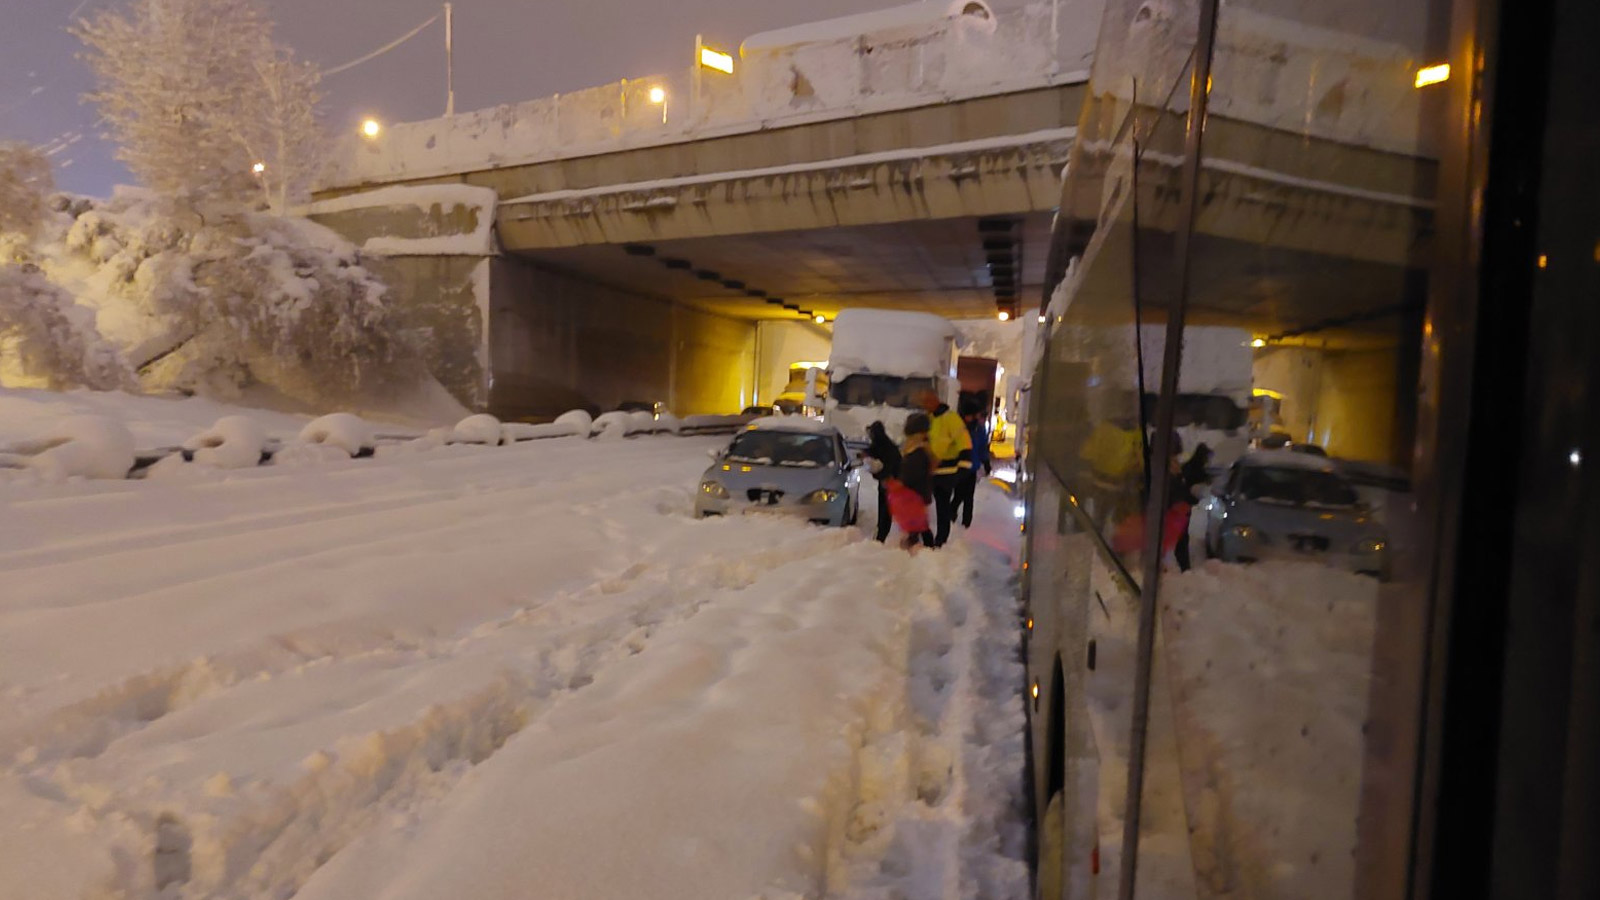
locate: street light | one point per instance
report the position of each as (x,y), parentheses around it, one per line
(1005,316)
(658,94)
(1433,74)
(370,128)
(716,59)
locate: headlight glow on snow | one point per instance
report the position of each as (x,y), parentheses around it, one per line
(713,489)
(823,496)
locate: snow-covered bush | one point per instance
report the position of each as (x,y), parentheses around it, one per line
(215,306)
(47,340)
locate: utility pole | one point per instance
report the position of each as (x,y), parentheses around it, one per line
(449,59)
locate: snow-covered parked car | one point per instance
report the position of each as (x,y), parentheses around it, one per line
(784,465)
(1284,504)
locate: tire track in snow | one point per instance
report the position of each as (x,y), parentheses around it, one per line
(287,832)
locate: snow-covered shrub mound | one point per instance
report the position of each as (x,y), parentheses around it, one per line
(668,423)
(216,304)
(579,419)
(344,431)
(479,429)
(84,447)
(641,422)
(47,340)
(234,442)
(611,425)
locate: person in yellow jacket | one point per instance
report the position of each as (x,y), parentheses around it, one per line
(1114,452)
(952,451)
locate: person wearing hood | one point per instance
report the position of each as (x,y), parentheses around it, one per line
(910,493)
(883,460)
(951,447)
(967,479)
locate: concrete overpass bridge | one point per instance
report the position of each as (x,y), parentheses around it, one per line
(644,240)
(603,246)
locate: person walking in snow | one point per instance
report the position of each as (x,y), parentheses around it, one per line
(910,494)
(1190,477)
(883,459)
(967,479)
(951,448)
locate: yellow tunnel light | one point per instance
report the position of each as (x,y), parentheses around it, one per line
(1266,392)
(370,128)
(1258,343)
(658,94)
(713,59)
(1433,74)
(1004,316)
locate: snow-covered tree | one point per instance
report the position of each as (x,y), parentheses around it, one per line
(25,184)
(198,96)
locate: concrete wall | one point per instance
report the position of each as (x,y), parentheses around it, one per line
(780,345)
(444,298)
(1342,399)
(558,342)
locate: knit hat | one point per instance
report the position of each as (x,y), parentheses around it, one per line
(917,423)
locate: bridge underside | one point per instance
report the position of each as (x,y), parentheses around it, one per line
(952,267)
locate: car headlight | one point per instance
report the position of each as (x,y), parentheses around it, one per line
(826,495)
(1243,532)
(1371,545)
(713,489)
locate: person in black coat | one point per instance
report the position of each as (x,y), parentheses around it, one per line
(1191,476)
(884,461)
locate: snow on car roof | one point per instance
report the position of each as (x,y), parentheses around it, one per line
(1288,459)
(803,424)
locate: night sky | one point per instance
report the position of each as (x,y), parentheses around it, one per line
(505,51)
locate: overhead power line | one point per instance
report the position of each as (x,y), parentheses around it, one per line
(384,49)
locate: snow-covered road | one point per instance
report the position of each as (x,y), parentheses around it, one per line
(496,672)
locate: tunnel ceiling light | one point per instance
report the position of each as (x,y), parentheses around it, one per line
(638,250)
(707,275)
(1258,343)
(259,168)
(674,263)
(1433,74)
(371,128)
(755,292)
(775,301)
(791,306)
(658,94)
(733,284)
(820,319)
(1005,316)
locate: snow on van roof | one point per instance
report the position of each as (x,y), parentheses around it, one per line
(885,342)
(908,15)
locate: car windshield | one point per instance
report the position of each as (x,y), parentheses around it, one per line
(782,448)
(863,389)
(1299,487)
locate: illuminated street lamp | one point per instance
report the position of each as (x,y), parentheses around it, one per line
(1433,74)
(658,94)
(370,128)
